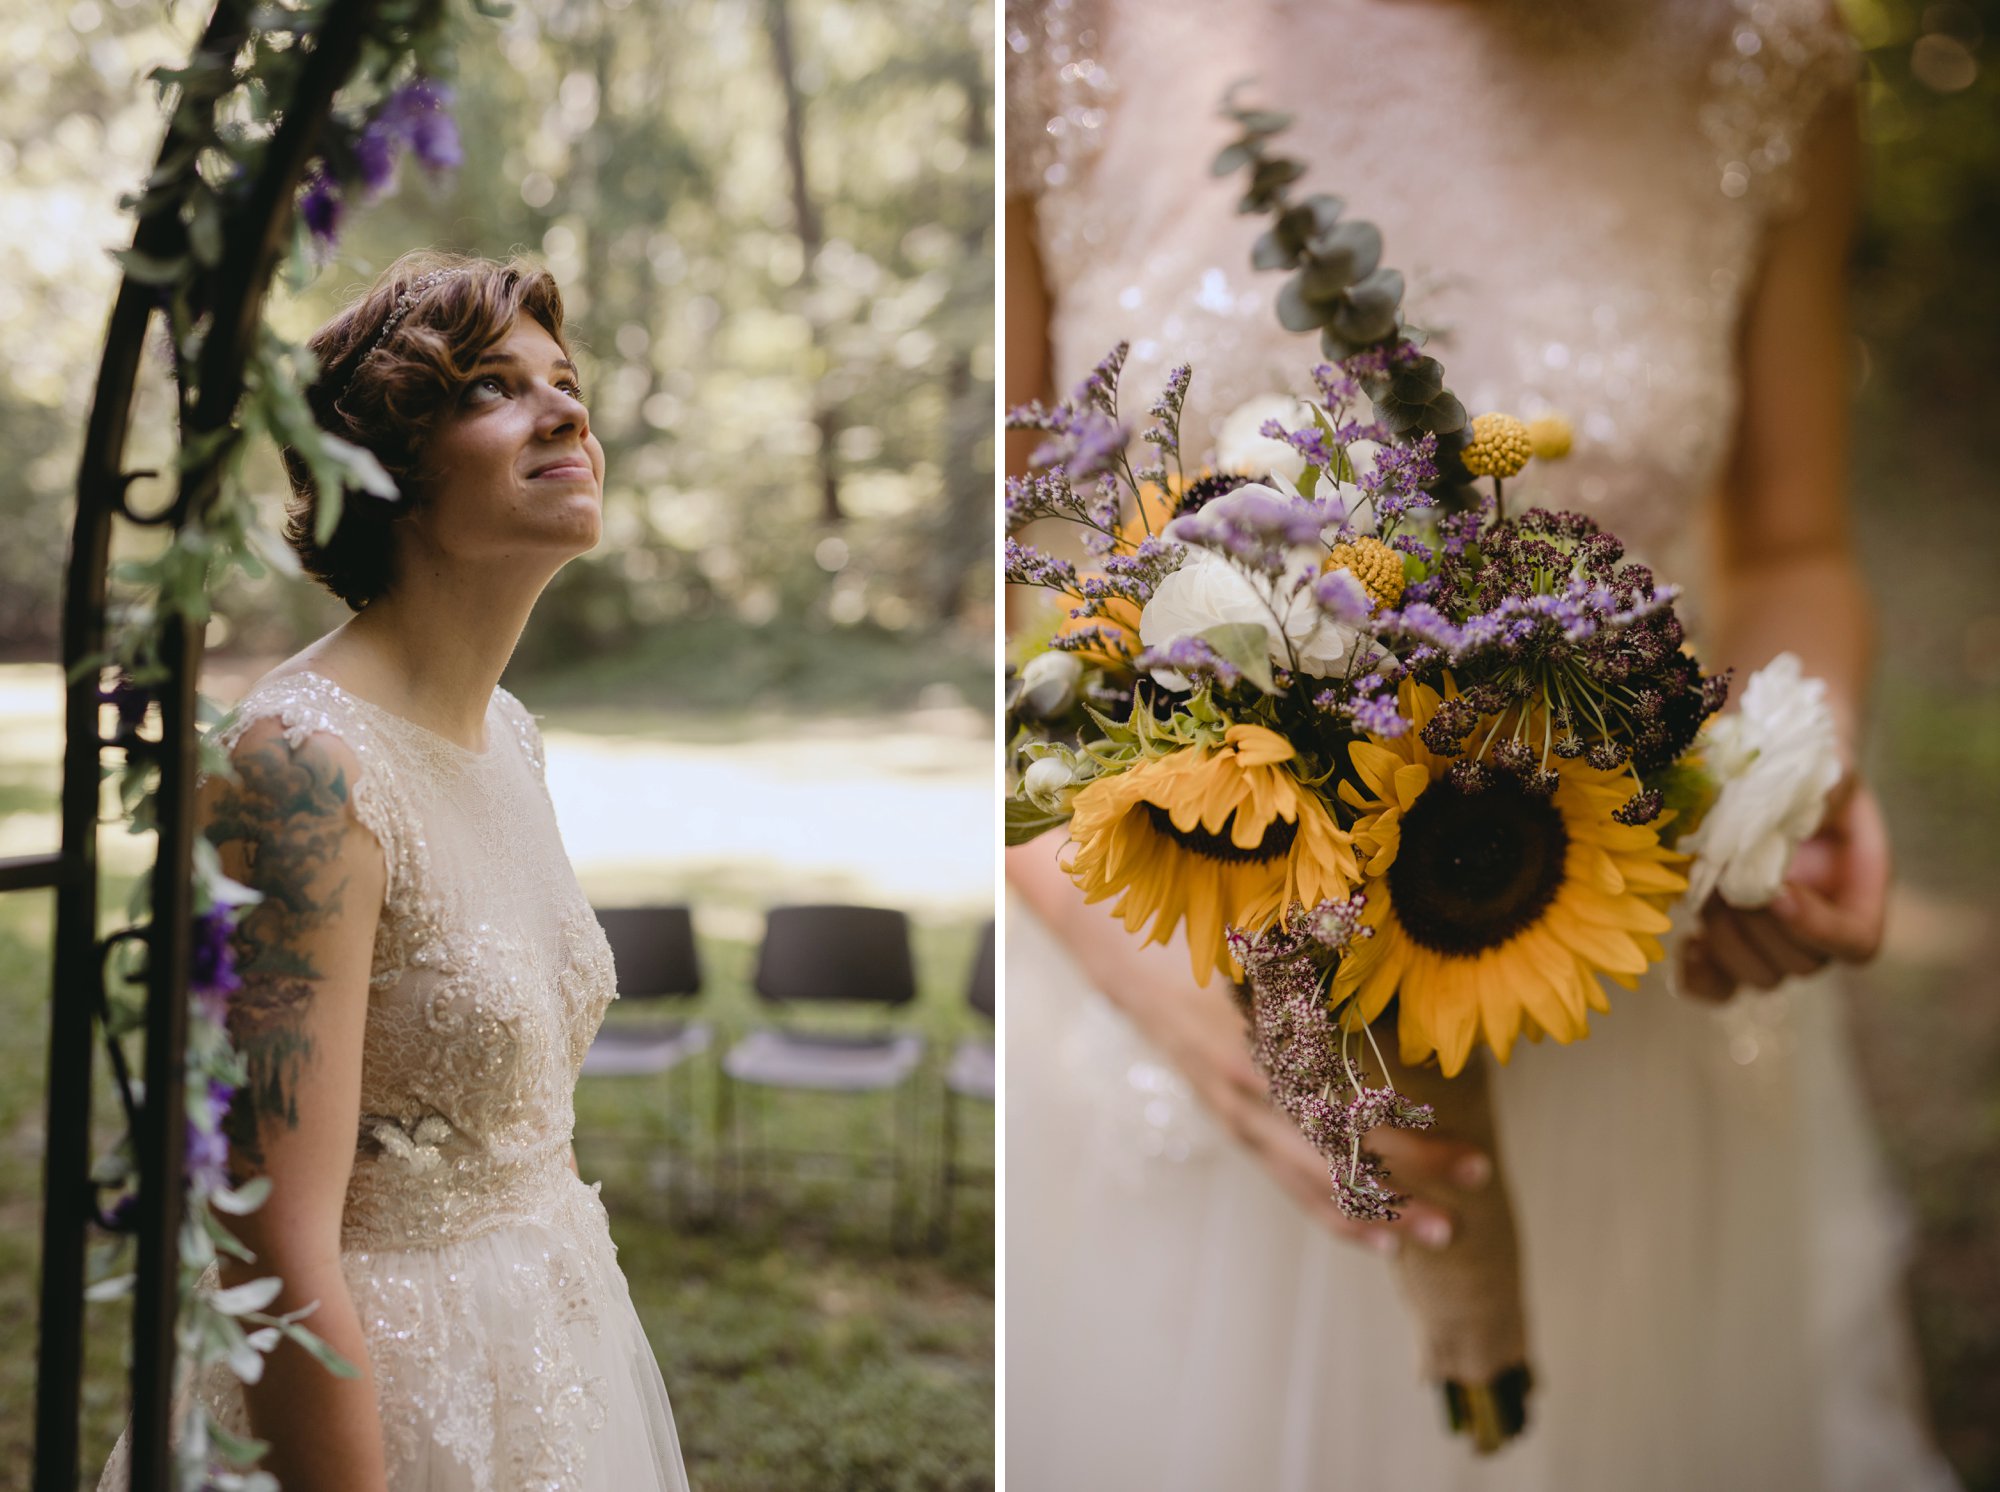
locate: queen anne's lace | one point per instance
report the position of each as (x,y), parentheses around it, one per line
(473,1255)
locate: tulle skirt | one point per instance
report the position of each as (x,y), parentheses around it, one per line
(512,1361)
(1711,1271)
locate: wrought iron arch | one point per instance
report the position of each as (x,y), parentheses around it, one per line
(257,226)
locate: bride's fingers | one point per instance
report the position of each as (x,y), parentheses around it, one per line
(1771,938)
(1700,977)
(1732,953)
(1428,1160)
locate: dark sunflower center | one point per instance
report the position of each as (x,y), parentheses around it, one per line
(1476,868)
(1277,840)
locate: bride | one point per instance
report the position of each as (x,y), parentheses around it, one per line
(1636,215)
(423,974)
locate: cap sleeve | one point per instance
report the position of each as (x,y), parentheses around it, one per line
(1776,66)
(526,730)
(304,706)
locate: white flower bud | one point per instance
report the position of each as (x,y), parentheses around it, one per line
(1046,782)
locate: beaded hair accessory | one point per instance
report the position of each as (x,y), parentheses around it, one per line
(405,303)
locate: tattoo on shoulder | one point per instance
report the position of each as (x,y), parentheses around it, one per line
(285,816)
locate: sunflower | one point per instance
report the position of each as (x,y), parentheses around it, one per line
(1495,909)
(1223,835)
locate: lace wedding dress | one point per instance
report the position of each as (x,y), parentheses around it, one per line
(506,1353)
(1578,195)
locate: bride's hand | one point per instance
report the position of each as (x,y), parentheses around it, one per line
(1832,907)
(1200,1031)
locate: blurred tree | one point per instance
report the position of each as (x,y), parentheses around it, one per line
(780,272)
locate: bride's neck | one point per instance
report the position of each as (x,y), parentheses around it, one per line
(435,647)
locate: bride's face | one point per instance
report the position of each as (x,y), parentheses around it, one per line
(512,473)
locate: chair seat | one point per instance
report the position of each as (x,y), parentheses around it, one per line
(631,1049)
(840,1063)
(971,1071)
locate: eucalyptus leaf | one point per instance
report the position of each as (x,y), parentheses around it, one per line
(204,229)
(246,1362)
(1444,415)
(1295,312)
(150,269)
(246,1198)
(1354,246)
(1247,646)
(323,1354)
(1272,252)
(112,1289)
(326,517)
(363,469)
(1230,159)
(251,1296)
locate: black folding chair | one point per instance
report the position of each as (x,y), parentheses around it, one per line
(970,1076)
(658,967)
(821,955)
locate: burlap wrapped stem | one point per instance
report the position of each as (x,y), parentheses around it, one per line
(1466,1296)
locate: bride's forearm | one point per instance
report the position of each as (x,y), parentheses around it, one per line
(1813,603)
(325,1432)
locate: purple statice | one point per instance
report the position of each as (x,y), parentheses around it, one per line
(1087,444)
(1194,660)
(1164,435)
(207,1159)
(1400,482)
(1134,577)
(1258,527)
(322,206)
(1110,642)
(212,976)
(1338,389)
(415,117)
(1309,442)
(1301,1047)
(1372,706)
(1341,596)
(1027,565)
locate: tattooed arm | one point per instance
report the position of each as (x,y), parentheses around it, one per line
(286,828)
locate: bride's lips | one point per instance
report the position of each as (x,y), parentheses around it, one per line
(568,468)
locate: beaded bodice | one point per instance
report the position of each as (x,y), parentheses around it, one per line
(1576,192)
(490,978)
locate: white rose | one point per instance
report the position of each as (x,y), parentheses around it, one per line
(1049,684)
(1242,450)
(1209,590)
(1776,759)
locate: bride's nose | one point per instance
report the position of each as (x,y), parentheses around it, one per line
(562,413)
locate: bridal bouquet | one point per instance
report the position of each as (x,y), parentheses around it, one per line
(1413,766)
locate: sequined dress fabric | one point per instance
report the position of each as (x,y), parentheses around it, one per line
(505,1349)
(1579,195)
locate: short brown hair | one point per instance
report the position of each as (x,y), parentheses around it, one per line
(388,393)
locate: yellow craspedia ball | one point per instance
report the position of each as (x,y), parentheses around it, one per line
(1499,446)
(1550,436)
(1378,567)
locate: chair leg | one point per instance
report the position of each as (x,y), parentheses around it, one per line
(726,1150)
(947,1175)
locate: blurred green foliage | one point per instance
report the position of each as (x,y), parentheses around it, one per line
(789,357)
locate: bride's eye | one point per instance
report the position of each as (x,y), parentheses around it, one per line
(574,389)
(480,390)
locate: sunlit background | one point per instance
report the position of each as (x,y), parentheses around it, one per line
(770,683)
